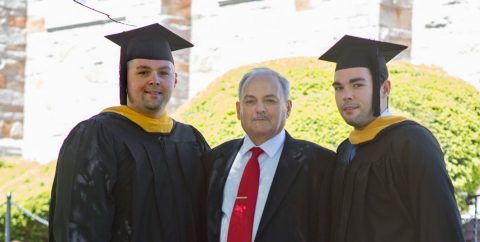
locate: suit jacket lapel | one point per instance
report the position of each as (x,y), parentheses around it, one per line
(288,166)
(221,167)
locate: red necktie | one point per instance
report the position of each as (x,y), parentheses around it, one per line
(241,221)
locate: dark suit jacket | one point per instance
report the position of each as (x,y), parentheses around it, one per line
(297,206)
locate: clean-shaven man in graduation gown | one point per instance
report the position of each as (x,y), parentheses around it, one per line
(390,182)
(283,194)
(131,172)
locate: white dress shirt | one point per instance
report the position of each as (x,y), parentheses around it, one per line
(268,162)
(385,112)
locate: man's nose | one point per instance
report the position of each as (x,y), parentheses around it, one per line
(155,80)
(260,107)
(347,94)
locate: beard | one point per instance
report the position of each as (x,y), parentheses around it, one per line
(358,121)
(148,105)
(155,104)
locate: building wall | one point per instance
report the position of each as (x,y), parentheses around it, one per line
(12,78)
(71,72)
(250,32)
(446,33)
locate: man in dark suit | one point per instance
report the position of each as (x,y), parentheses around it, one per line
(267,186)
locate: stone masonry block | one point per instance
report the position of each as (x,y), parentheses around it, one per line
(16,131)
(181,67)
(17,85)
(18,46)
(17,21)
(177,8)
(3,81)
(36,25)
(14,67)
(5,126)
(16,55)
(11,108)
(301,5)
(19,5)
(396,16)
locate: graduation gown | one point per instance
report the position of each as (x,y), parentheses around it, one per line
(116,182)
(297,207)
(396,189)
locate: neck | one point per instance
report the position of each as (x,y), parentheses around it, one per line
(258,141)
(155,115)
(384,112)
(365,125)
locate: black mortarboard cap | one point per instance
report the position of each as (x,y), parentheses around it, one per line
(351,51)
(153,42)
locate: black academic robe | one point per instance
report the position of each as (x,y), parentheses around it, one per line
(297,207)
(116,182)
(395,189)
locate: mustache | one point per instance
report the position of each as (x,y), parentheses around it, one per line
(349,104)
(261,117)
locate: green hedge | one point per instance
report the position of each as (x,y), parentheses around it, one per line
(448,106)
(29,184)
(23,227)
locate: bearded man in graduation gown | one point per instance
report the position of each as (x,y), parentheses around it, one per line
(131,172)
(267,186)
(390,181)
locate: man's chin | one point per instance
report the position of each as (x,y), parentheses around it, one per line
(153,109)
(351,121)
(348,118)
(260,131)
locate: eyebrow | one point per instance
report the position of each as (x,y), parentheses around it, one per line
(352,80)
(271,96)
(149,67)
(266,96)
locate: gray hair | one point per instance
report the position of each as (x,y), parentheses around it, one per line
(284,83)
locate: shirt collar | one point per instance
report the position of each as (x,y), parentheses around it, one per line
(386,112)
(270,147)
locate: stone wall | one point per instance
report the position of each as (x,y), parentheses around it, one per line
(12,68)
(396,23)
(177,15)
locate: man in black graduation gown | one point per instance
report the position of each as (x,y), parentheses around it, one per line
(390,182)
(131,172)
(290,201)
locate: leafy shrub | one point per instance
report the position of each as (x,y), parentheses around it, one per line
(23,227)
(30,185)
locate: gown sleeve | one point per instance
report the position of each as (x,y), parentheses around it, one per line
(200,140)
(431,193)
(82,205)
